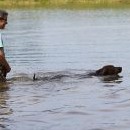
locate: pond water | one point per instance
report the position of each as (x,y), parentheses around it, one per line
(61,47)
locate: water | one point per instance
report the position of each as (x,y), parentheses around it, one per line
(61,47)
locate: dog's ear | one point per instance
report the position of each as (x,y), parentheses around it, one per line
(104,71)
(99,72)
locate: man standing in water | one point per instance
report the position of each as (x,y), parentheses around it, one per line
(4,66)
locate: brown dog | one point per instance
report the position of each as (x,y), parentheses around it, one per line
(108,70)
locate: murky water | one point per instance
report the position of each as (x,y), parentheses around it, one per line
(61,47)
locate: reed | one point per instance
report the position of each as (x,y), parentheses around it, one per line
(64,3)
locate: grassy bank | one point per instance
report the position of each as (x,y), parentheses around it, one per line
(64,3)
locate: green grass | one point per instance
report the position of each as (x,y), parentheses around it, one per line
(65,3)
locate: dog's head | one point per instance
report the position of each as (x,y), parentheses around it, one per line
(109,70)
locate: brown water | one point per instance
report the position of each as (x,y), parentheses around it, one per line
(61,47)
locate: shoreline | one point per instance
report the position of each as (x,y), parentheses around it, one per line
(84,4)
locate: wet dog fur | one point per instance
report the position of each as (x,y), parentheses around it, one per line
(108,70)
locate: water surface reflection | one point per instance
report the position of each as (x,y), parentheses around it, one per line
(5,109)
(61,47)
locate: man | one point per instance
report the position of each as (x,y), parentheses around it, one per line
(4,66)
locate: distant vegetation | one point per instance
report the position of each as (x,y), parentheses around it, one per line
(64,3)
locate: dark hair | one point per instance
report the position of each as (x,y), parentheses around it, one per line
(3,14)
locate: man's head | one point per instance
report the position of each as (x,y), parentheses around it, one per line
(3,19)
